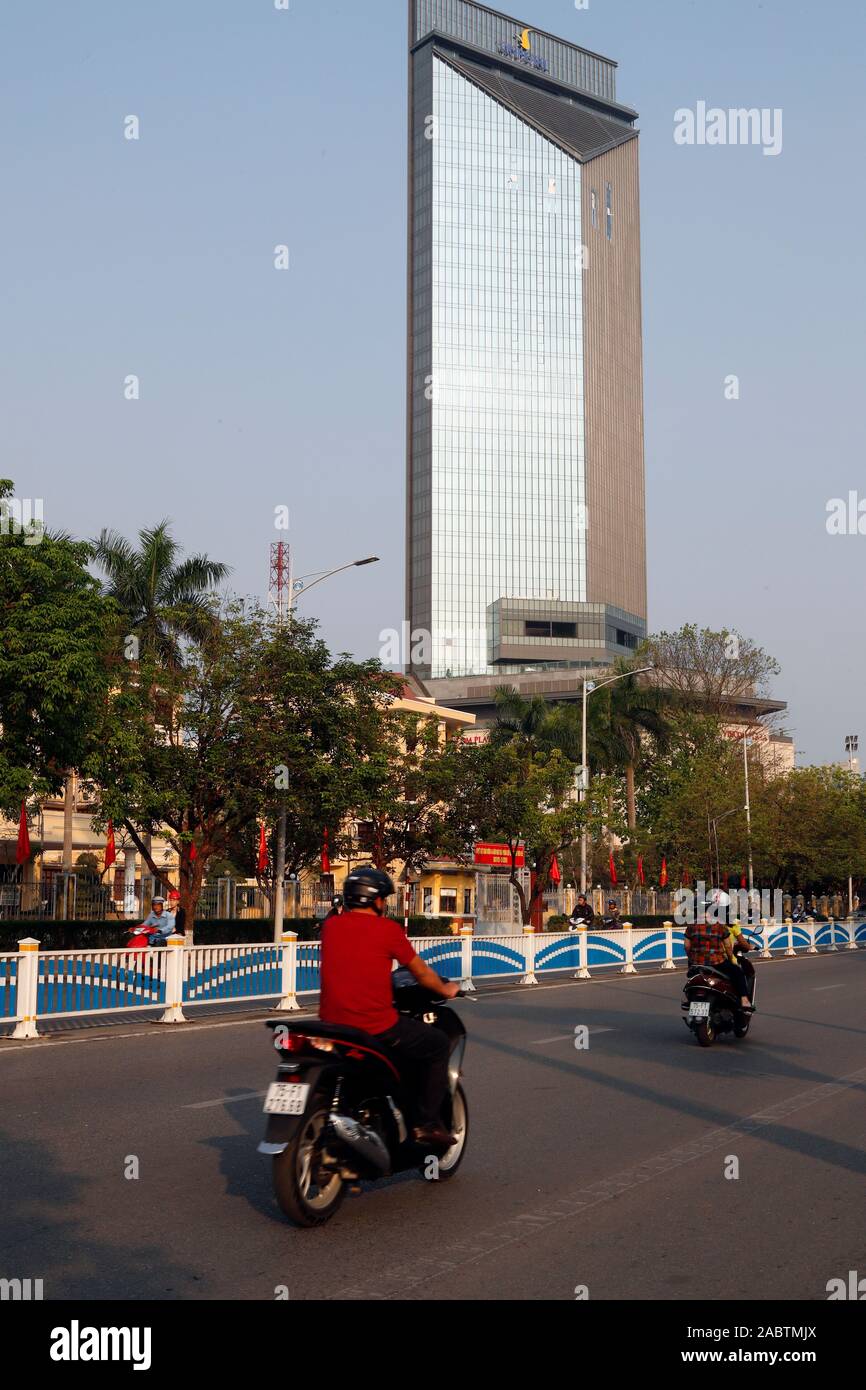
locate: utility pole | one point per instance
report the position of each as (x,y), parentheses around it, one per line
(588,688)
(852,744)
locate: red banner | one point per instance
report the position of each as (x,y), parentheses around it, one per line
(499,856)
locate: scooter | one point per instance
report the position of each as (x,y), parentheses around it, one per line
(142,938)
(712,1006)
(342,1109)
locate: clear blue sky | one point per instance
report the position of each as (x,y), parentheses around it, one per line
(258,388)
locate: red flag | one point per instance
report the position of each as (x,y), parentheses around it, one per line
(663,876)
(110,847)
(262,862)
(687,878)
(742,880)
(613,878)
(640,874)
(326,858)
(22,853)
(554,871)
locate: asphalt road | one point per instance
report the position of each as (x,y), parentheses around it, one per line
(602,1168)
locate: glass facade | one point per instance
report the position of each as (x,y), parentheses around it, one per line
(498,476)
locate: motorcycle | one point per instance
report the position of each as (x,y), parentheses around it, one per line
(142,938)
(341,1108)
(713,1004)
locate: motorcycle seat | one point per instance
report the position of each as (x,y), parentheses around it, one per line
(340,1032)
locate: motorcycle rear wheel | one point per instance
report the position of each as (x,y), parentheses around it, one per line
(741,1030)
(296,1174)
(705,1033)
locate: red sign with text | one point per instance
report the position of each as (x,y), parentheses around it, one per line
(498,856)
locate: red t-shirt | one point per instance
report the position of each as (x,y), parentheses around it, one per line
(357,953)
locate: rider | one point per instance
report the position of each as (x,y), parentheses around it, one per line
(583,915)
(358,948)
(740,945)
(160,919)
(709,943)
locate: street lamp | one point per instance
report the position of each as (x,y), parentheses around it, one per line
(300,586)
(714,822)
(588,688)
(746,742)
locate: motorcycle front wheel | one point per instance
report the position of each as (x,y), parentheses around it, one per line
(449,1162)
(307,1192)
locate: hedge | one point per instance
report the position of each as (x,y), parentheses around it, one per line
(212,931)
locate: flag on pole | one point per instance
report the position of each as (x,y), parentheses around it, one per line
(262,861)
(110,847)
(326,858)
(22,853)
(640,873)
(742,880)
(663,876)
(554,871)
(613,878)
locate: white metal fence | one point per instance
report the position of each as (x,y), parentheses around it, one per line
(48,985)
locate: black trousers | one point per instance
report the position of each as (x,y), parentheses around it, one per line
(736,975)
(428,1047)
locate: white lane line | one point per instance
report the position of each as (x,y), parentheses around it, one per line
(225,1100)
(819,989)
(478,1246)
(153,1031)
(561,1037)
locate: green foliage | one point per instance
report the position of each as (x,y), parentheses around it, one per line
(53,673)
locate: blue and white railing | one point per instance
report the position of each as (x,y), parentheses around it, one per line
(45,985)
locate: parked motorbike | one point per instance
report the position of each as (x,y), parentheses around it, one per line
(711,1003)
(342,1109)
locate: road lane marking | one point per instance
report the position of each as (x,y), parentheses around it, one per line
(819,989)
(479,1245)
(225,1100)
(561,1037)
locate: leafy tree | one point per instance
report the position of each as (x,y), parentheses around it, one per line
(253,718)
(709,671)
(632,724)
(53,680)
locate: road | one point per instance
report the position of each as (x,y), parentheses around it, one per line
(602,1168)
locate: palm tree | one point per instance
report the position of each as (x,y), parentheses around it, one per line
(163,598)
(635,716)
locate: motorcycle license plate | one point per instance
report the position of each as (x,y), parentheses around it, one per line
(700,1008)
(286,1098)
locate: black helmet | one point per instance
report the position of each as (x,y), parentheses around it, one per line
(363,886)
(337,900)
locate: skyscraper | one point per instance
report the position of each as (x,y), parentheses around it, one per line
(525,497)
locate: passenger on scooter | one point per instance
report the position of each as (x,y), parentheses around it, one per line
(740,946)
(359,947)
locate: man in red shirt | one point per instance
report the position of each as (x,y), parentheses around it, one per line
(358,949)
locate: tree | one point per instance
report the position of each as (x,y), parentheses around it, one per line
(635,725)
(164,599)
(53,679)
(518,794)
(253,718)
(709,671)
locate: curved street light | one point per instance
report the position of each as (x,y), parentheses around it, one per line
(300,586)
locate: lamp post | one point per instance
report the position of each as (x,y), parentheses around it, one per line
(852,744)
(714,822)
(746,742)
(588,688)
(298,587)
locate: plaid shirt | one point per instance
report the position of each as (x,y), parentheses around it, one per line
(705,941)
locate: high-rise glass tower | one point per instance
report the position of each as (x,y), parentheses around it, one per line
(525,498)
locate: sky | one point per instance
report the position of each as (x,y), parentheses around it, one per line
(262,388)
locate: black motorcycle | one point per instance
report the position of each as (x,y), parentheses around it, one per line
(711,1003)
(342,1108)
